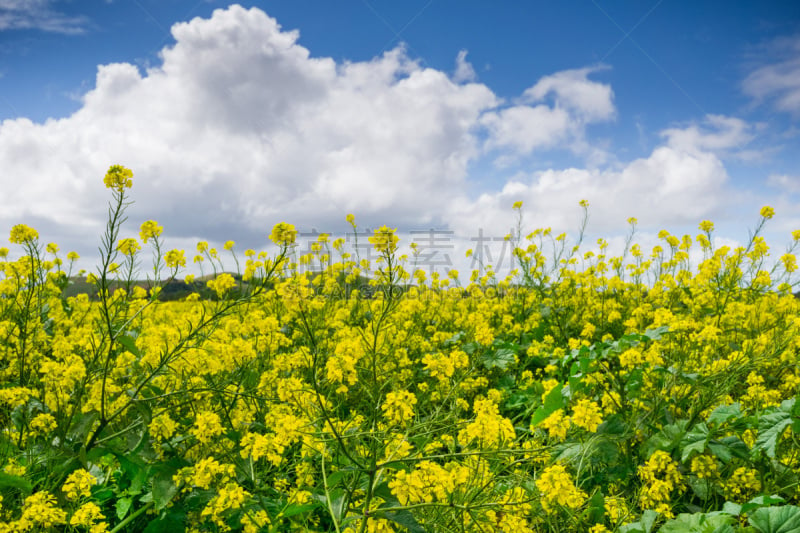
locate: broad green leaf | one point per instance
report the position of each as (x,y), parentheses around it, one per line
(501,358)
(297,508)
(123,505)
(667,439)
(770,427)
(733,509)
(129,344)
(403,518)
(552,403)
(597,507)
(784,519)
(172,521)
(724,413)
(164,488)
(729,447)
(7,481)
(761,501)
(694,442)
(699,523)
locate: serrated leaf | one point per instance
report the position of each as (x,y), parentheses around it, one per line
(694,442)
(724,413)
(699,523)
(770,427)
(164,489)
(784,519)
(733,509)
(501,358)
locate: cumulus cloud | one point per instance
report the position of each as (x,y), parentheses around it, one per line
(716,133)
(240,127)
(785,183)
(37,14)
(535,124)
(678,183)
(464,71)
(778,81)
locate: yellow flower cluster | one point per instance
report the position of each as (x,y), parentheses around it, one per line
(661,476)
(118,177)
(556,488)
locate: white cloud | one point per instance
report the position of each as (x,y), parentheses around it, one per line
(464,71)
(786,183)
(572,89)
(717,133)
(779,80)
(37,14)
(533,124)
(676,184)
(241,127)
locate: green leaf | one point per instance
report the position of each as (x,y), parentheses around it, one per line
(7,481)
(761,501)
(694,442)
(699,523)
(597,507)
(667,439)
(297,508)
(770,427)
(123,505)
(733,509)
(171,522)
(656,333)
(724,413)
(644,525)
(501,358)
(552,403)
(784,519)
(403,518)
(729,447)
(129,344)
(164,489)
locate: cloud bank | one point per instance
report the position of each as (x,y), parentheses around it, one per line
(240,127)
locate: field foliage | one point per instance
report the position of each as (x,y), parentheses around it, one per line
(584,392)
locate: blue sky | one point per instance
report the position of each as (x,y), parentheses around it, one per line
(416,114)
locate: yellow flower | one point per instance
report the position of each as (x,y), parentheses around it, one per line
(78,484)
(767,212)
(517,205)
(149,230)
(21,234)
(43,424)
(350,218)
(221,284)
(283,234)
(119,178)
(207,426)
(128,246)
(586,414)
(556,487)
(399,407)
(707,226)
(228,245)
(384,239)
(175,259)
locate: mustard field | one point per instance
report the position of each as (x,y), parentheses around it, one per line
(583,392)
